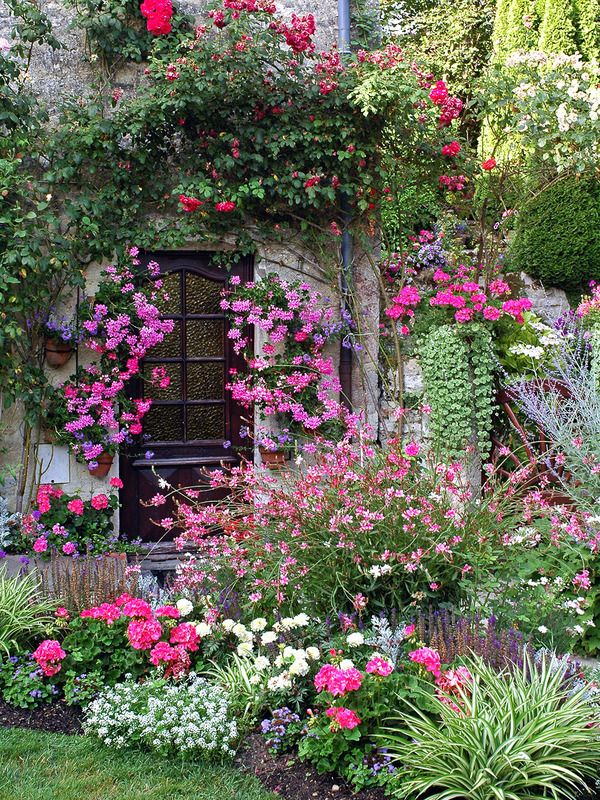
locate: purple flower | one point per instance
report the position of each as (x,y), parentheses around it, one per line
(227,444)
(36,514)
(23,559)
(148,455)
(2,554)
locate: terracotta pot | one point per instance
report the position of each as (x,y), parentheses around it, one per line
(105,461)
(57,352)
(272,459)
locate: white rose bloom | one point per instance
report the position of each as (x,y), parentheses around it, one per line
(244,648)
(313,653)
(355,639)
(258,624)
(228,625)
(268,637)
(203,629)
(184,607)
(346,664)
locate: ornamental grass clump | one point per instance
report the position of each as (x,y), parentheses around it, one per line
(521,734)
(24,613)
(191,717)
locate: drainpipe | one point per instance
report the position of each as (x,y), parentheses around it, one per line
(345,369)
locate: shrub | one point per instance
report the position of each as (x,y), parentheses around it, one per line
(187,717)
(520,734)
(23,613)
(558,235)
(23,683)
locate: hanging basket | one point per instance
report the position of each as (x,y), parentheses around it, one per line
(105,461)
(272,459)
(57,353)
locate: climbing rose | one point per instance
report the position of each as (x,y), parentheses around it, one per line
(452,149)
(189,204)
(489,164)
(158,15)
(225,207)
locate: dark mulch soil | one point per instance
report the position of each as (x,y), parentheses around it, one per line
(55,718)
(294,779)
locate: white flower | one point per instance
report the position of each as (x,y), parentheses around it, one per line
(244,648)
(184,607)
(346,664)
(203,629)
(288,652)
(240,631)
(299,667)
(355,639)
(268,637)
(578,629)
(313,653)
(228,625)
(258,624)
(255,680)
(262,662)
(543,629)
(301,620)
(279,682)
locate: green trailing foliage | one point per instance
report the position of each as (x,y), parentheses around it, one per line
(458,374)
(558,235)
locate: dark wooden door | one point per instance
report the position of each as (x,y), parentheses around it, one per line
(193,424)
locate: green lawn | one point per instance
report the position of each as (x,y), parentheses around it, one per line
(45,766)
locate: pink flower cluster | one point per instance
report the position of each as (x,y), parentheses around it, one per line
(590,304)
(101,415)
(343,718)
(49,655)
(379,666)
(337,681)
(451,683)
(151,630)
(450,107)
(158,14)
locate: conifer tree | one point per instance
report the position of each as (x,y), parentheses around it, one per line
(557,30)
(587,20)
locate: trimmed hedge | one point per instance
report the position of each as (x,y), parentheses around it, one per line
(557,239)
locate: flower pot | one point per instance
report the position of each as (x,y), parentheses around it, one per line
(105,461)
(57,352)
(272,459)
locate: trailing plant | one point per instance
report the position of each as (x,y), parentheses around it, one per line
(524,732)
(24,613)
(458,374)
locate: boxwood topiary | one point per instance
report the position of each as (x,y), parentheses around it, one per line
(557,239)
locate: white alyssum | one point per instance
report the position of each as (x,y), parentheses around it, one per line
(190,716)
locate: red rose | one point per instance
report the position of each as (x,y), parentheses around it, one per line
(225,207)
(189,204)
(452,149)
(489,164)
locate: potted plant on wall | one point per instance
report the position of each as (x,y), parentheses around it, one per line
(60,340)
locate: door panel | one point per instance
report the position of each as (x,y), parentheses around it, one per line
(193,418)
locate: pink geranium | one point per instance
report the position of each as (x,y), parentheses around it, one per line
(142,634)
(99,502)
(185,634)
(109,612)
(337,681)
(343,717)
(379,666)
(427,658)
(49,655)
(137,608)
(76,506)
